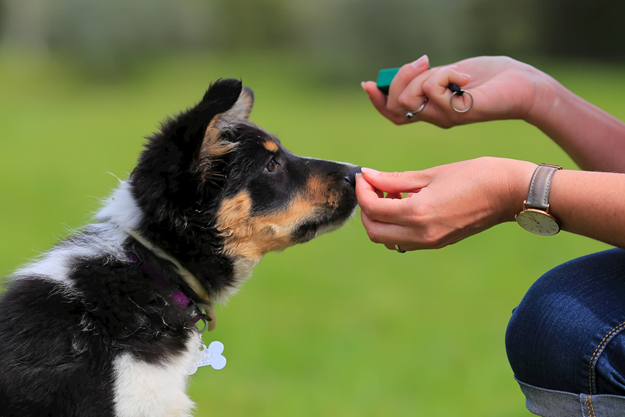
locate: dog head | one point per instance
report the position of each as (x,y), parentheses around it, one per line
(218,192)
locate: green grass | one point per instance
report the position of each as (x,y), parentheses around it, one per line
(336,327)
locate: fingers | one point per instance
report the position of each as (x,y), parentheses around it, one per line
(435,87)
(385,105)
(394,196)
(390,234)
(412,85)
(378,99)
(385,233)
(404,76)
(396,182)
(412,96)
(372,202)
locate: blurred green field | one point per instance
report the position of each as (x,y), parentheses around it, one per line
(336,327)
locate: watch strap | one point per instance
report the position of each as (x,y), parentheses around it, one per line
(540,186)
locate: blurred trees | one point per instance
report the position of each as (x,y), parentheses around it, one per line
(341,37)
(588,29)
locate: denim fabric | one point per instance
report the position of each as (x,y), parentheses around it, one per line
(550,403)
(565,341)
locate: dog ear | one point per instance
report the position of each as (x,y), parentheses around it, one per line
(167,171)
(243,106)
(215,144)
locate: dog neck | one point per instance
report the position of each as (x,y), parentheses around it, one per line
(205,302)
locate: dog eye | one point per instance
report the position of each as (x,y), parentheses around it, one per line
(271,166)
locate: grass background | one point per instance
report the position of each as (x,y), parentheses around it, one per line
(336,327)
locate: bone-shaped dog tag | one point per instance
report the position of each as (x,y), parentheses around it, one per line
(209,356)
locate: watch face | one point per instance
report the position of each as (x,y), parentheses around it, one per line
(538,222)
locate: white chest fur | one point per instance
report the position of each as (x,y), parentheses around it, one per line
(153,390)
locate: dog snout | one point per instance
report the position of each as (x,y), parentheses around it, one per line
(351,175)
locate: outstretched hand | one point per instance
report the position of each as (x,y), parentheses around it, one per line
(444,205)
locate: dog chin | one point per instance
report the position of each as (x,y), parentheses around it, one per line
(337,224)
(309,232)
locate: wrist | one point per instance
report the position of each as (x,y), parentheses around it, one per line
(518,175)
(547,94)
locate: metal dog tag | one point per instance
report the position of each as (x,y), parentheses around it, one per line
(211,355)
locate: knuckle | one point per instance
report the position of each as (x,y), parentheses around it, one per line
(394,108)
(430,239)
(404,70)
(397,122)
(366,210)
(373,235)
(421,217)
(428,87)
(404,101)
(416,212)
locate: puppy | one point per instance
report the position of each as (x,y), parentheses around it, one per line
(104,323)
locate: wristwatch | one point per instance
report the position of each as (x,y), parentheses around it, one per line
(535,216)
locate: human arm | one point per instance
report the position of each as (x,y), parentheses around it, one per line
(451,202)
(504,88)
(594,139)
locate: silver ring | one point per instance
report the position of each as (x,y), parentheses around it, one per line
(451,102)
(414,113)
(398,249)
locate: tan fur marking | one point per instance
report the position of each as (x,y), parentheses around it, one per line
(213,147)
(321,193)
(271,146)
(253,236)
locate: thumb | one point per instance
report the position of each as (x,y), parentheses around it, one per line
(397,182)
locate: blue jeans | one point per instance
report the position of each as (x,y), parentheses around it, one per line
(566,343)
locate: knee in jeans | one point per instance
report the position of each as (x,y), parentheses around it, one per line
(544,339)
(540,331)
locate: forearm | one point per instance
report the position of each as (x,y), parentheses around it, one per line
(593,138)
(591,204)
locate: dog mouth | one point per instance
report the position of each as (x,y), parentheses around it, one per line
(311,229)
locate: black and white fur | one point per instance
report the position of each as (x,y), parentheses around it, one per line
(85,332)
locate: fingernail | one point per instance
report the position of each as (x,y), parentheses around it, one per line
(465,75)
(362,84)
(421,63)
(370,171)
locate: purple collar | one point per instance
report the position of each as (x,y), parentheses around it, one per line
(178,296)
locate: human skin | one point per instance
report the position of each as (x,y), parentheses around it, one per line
(448,203)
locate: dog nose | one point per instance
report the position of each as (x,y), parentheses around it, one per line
(351,176)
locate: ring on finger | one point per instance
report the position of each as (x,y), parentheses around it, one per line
(398,249)
(414,113)
(461,92)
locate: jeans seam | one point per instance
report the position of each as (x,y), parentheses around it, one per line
(593,362)
(589,407)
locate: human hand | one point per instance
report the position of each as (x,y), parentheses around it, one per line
(445,204)
(502,88)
